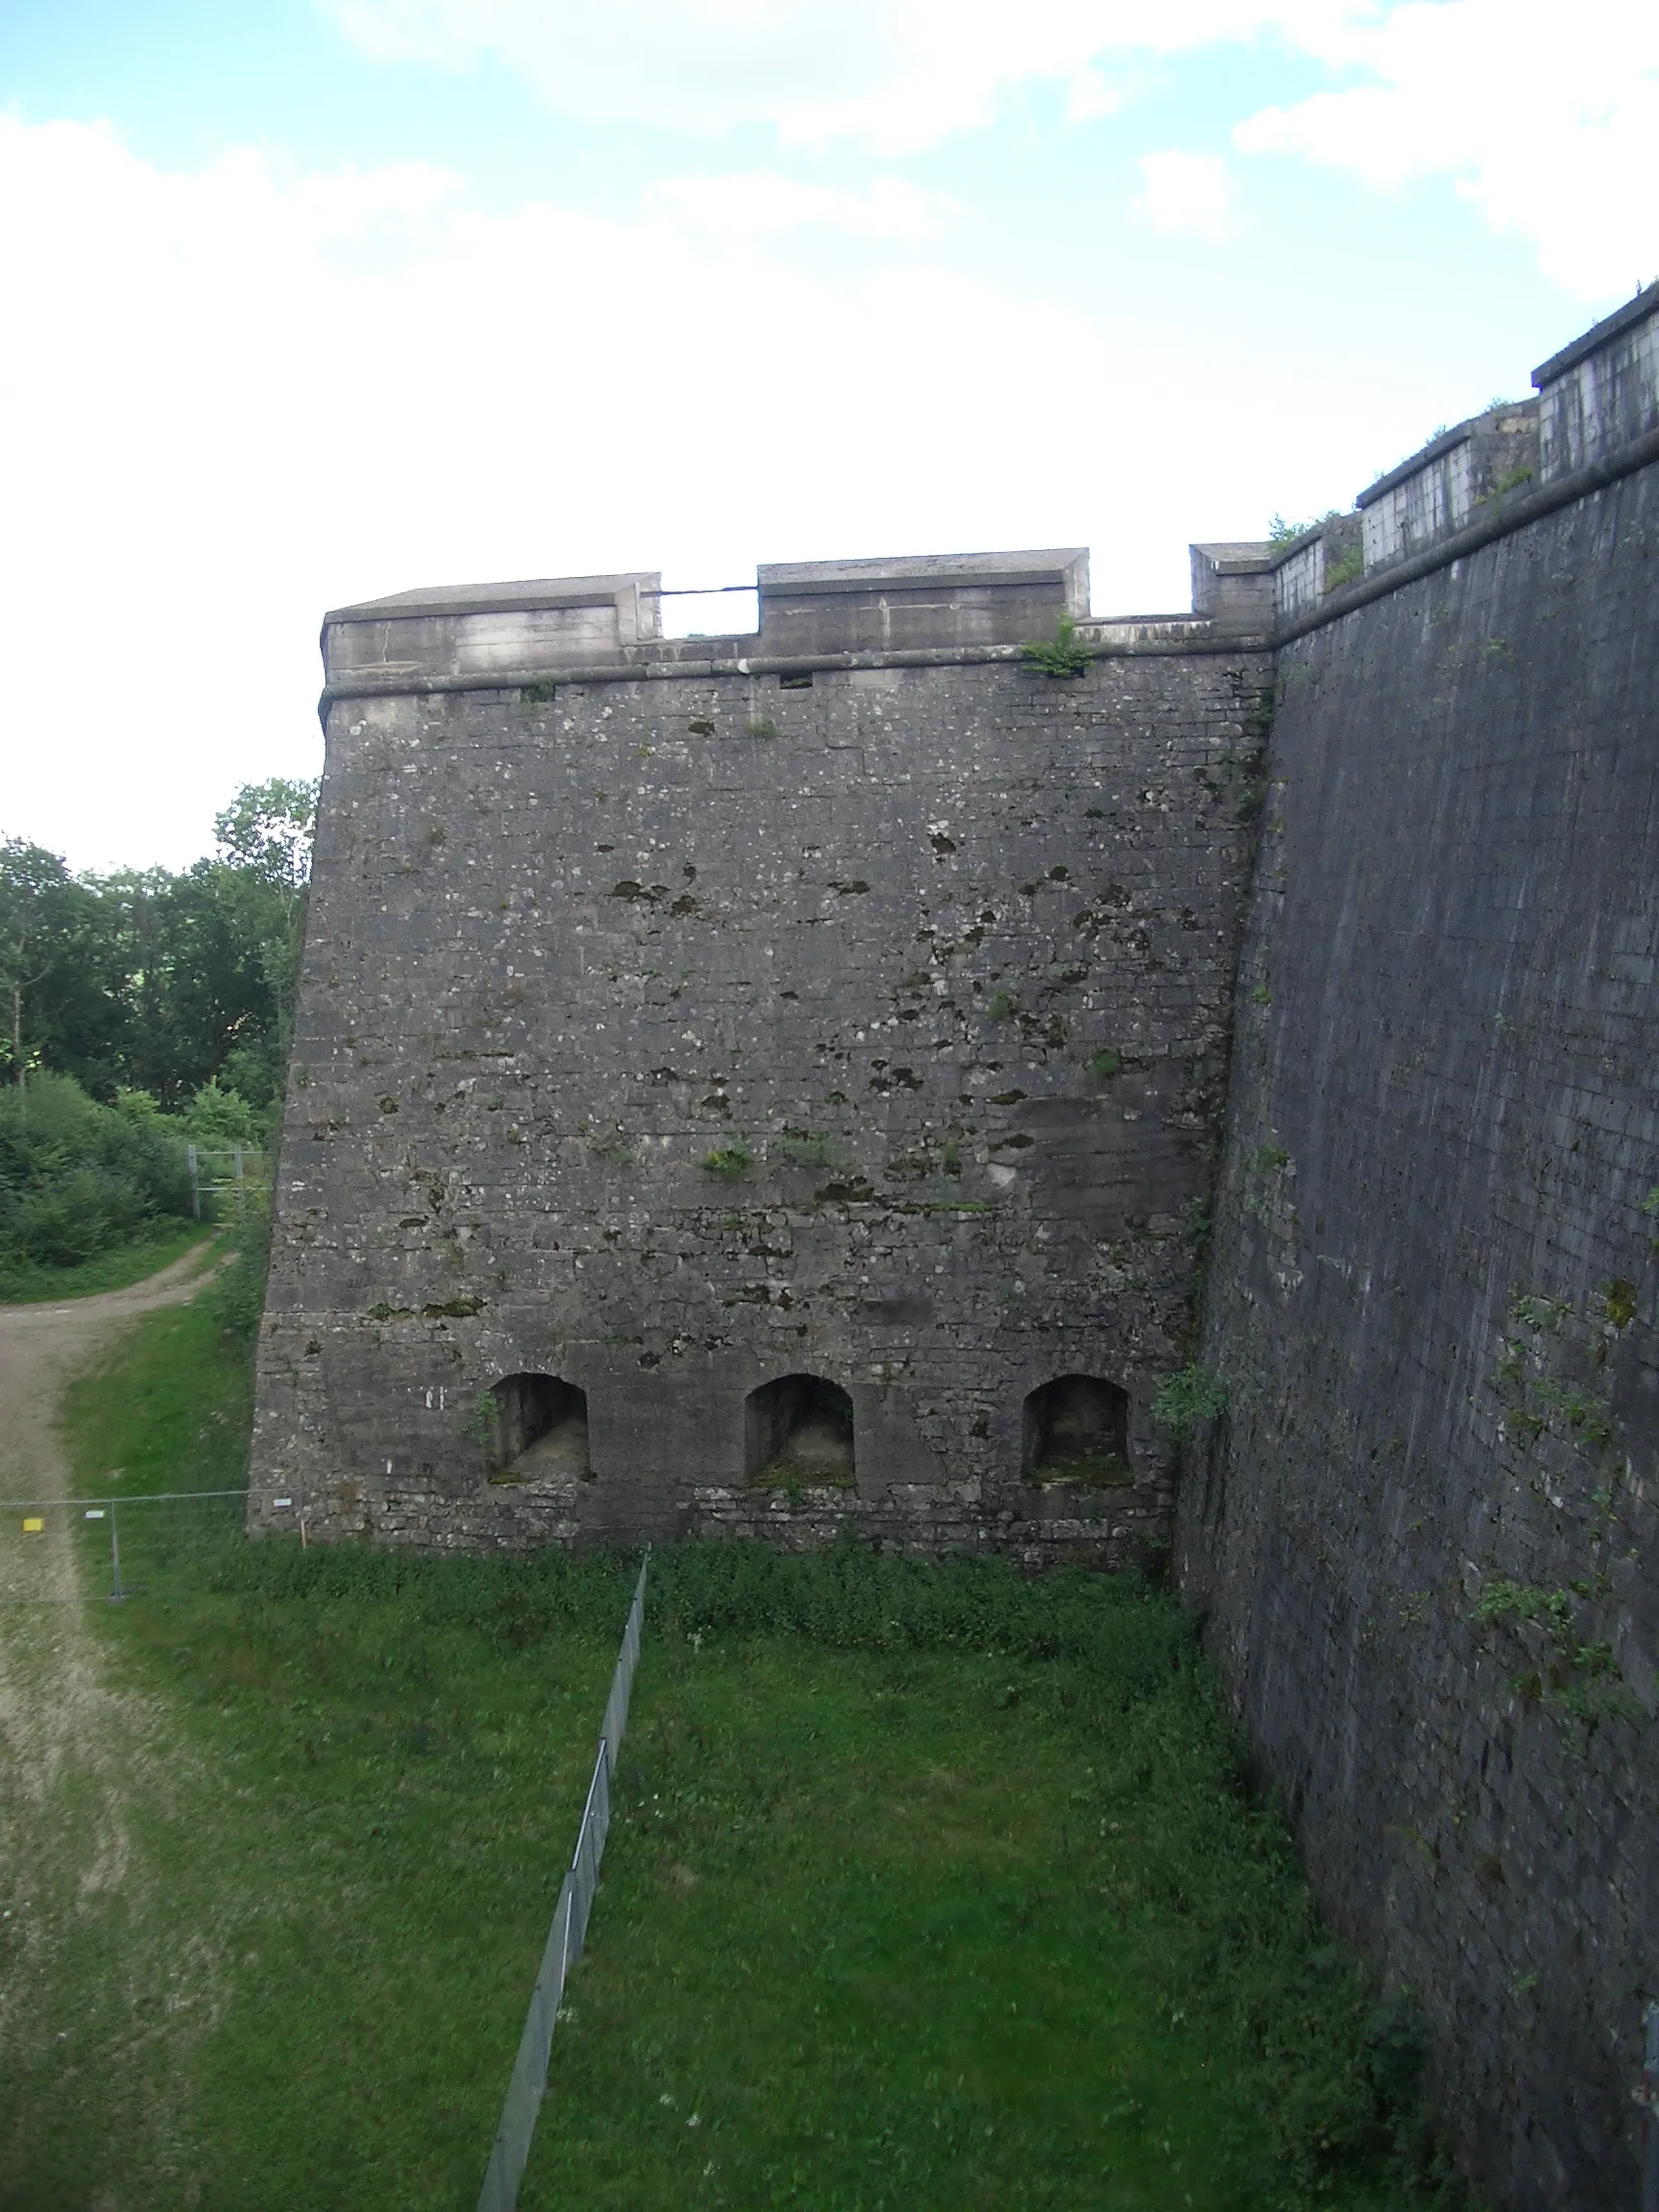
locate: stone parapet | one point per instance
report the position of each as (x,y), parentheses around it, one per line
(1438,491)
(1601,393)
(478,631)
(936,601)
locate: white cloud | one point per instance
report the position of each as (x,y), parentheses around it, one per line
(1549,124)
(747,204)
(1192,192)
(900,74)
(231,407)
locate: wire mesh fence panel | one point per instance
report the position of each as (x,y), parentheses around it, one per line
(565,1938)
(229,1177)
(40,1552)
(77,1550)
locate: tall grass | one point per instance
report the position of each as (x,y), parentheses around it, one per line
(931,1886)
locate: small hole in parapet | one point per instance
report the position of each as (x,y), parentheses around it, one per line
(1076,1429)
(798,679)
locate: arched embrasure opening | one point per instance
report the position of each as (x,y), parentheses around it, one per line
(1077,1430)
(798,1430)
(541,1429)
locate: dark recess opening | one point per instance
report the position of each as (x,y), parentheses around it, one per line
(800,680)
(541,1429)
(1077,1430)
(798,1430)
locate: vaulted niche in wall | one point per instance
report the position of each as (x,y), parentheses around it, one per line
(540,1429)
(1077,1430)
(798,1430)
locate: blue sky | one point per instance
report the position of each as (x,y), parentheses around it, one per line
(308,299)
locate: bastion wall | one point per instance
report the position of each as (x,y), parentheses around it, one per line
(847,1002)
(779,1084)
(1425,1531)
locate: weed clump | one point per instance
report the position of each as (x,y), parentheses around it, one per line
(1060,656)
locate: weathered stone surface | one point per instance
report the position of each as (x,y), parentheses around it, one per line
(1434,1297)
(873,930)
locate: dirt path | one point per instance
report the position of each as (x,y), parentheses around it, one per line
(74,1742)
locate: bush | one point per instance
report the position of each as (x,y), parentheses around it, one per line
(237,1296)
(78,1179)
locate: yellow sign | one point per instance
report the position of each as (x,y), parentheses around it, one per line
(33,1527)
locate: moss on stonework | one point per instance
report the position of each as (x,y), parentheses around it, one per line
(1099,1469)
(793,1475)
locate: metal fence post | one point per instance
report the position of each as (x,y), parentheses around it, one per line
(566,1938)
(115,1589)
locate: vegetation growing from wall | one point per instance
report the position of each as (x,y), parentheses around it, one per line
(1060,656)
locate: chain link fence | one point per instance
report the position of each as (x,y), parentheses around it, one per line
(564,1938)
(98,1551)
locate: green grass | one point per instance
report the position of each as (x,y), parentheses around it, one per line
(30,1281)
(929,1887)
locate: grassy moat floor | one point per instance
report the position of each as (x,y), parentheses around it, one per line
(929,1887)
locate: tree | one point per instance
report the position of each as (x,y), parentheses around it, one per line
(61,984)
(144,979)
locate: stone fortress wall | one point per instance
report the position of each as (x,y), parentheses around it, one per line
(1425,1534)
(764,1082)
(776,1083)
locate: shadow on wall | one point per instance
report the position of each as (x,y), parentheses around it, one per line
(798,1430)
(540,1429)
(1076,1429)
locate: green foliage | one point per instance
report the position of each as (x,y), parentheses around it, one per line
(78,1179)
(1510,481)
(1282,531)
(1189,1396)
(1260,995)
(1347,570)
(1060,656)
(1619,1301)
(218,1117)
(1001,1006)
(977,1853)
(1269,1158)
(730,1160)
(236,1297)
(147,980)
(761,726)
(1588,1414)
(1105,1063)
(1581,1674)
(806,1150)
(614,1147)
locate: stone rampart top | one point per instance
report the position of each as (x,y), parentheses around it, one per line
(934,600)
(480,630)
(1600,334)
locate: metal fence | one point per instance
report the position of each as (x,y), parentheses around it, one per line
(98,1551)
(564,1938)
(237,1173)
